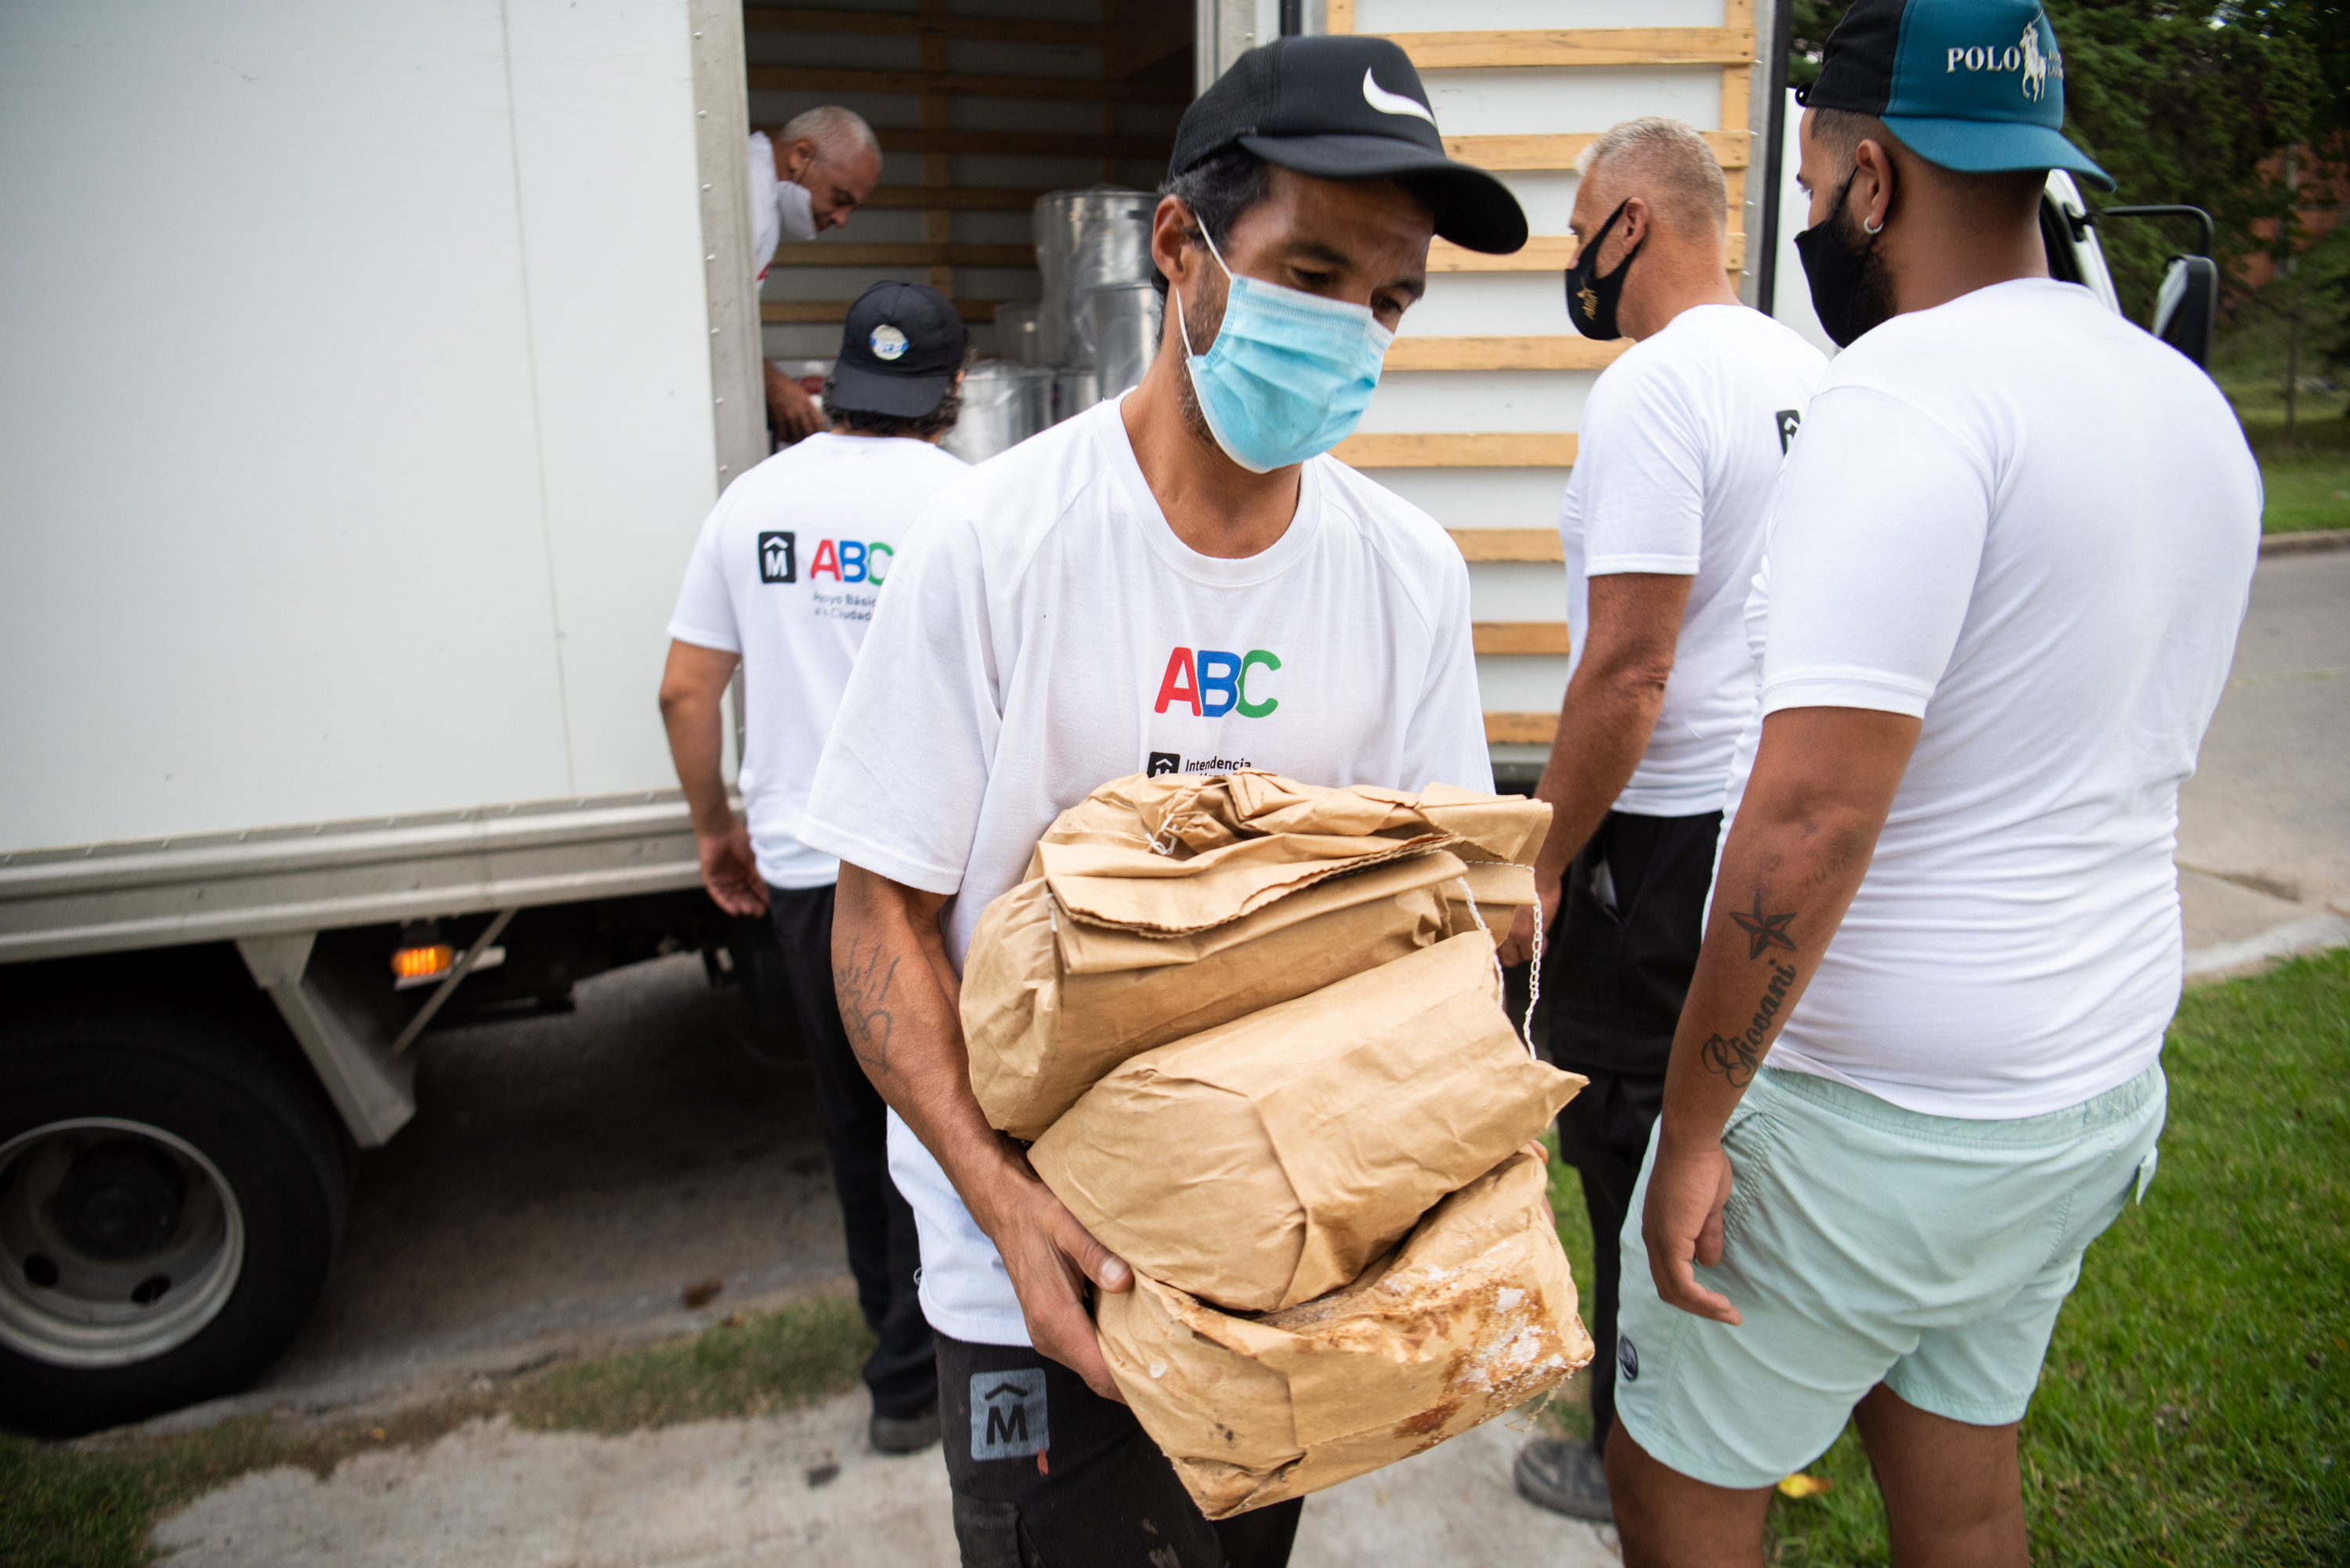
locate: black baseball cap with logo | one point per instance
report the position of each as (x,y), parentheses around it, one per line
(1972,84)
(1348,107)
(900,350)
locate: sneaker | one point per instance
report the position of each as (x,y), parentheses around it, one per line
(903,1434)
(1564,1476)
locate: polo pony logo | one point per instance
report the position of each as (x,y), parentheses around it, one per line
(2035,64)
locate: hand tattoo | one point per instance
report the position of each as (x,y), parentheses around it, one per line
(1735,1058)
(862,987)
(1764,932)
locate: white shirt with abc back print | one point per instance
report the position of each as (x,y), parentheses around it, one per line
(1052,633)
(786,574)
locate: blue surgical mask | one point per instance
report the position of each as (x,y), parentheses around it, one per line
(1289,374)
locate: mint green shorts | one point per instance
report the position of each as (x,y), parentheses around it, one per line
(1864,1244)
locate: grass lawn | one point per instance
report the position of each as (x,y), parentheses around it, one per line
(2309,486)
(2195,1406)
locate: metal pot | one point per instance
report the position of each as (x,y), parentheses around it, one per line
(1123,321)
(1003,405)
(1015,332)
(1086,239)
(1075,388)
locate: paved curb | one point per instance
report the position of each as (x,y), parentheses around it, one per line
(2304,544)
(2311,935)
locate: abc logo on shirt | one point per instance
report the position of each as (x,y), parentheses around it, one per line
(1213,683)
(844,561)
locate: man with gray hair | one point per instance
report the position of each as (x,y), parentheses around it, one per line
(822,167)
(1662,523)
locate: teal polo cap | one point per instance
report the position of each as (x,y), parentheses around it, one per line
(1972,84)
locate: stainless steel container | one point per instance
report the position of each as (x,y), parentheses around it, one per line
(1123,322)
(1086,239)
(1015,332)
(1075,388)
(1003,405)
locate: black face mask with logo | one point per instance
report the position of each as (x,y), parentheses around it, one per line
(1591,301)
(1850,293)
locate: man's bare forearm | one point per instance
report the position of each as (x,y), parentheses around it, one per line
(1632,636)
(900,1002)
(697,745)
(1603,731)
(1824,780)
(693,712)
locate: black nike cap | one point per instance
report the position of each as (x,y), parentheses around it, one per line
(900,350)
(1348,107)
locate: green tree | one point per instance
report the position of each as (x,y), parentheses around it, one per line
(2180,101)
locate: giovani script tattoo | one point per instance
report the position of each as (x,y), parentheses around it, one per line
(863,986)
(1735,1058)
(1764,932)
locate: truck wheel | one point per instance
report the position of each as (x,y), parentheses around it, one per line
(171,1195)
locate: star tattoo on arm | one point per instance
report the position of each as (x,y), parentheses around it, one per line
(1763,931)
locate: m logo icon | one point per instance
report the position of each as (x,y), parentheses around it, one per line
(778,558)
(1789,422)
(1007,1414)
(1163,762)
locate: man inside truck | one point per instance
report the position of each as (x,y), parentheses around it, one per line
(783,582)
(1998,599)
(1034,647)
(1662,525)
(807,178)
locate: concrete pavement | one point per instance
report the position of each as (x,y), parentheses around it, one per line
(800,1488)
(2265,826)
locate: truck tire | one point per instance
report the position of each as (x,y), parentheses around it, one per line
(171,1195)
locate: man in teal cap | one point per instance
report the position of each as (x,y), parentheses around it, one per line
(1919,1070)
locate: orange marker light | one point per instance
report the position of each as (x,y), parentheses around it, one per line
(423,963)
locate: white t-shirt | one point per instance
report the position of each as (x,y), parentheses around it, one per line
(1052,633)
(767,211)
(786,574)
(1674,470)
(2028,522)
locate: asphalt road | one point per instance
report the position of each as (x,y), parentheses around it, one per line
(564,1180)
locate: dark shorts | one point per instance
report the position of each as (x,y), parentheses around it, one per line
(1614,977)
(1616,974)
(1047,1474)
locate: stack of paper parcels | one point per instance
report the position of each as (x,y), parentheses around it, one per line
(1255,1032)
(1160,907)
(1473,1316)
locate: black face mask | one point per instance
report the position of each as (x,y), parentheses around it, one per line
(1850,293)
(1591,301)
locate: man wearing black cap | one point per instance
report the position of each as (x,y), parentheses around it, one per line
(782,581)
(1177,581)
(1995,611)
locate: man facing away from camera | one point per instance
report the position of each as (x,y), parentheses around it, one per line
(1174,578)
(783,582)
(1919,1070)
(1662,523)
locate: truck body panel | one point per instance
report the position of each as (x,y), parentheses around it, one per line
(359,408)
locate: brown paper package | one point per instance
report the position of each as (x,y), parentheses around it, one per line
(1473,1316)
(1259,890)
(1268,1160)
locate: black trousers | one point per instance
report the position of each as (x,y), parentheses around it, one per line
(1047,1474)
(884,1252)
(1616,972)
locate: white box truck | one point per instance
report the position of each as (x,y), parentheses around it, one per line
(369,370)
